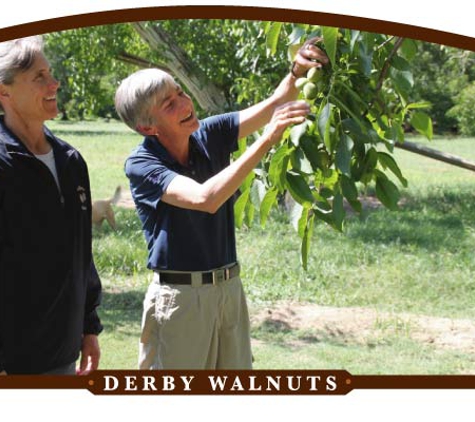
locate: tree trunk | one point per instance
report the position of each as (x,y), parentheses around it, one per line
(209,96)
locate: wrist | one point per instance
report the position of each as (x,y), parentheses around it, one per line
(295,71)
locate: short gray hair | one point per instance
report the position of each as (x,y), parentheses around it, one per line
(18,56)
(138,93)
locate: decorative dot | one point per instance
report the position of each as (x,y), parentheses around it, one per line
(91,382)
(348,381)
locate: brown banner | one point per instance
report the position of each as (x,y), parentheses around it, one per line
(257,382)
(237,12)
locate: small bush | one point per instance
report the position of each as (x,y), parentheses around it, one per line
(463,110)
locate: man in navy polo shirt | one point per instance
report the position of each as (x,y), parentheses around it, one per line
(183,181)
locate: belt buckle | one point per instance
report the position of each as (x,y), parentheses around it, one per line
(219,276)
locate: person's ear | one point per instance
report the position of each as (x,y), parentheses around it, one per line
(147,130)
(4,91)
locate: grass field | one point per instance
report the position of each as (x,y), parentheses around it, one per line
(417,260)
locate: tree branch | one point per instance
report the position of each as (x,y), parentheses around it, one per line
(436,155)
(205,92)
(139,61)
(387,64)
(385,69)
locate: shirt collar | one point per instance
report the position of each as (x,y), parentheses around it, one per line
(15,144)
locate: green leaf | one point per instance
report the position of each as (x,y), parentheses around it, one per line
(338,211)
(420,104)
(269,200)
(242,146)
(387,161)
(348,188)
(258,191)
(300,162)
(324,125)
(423,124)
(272,38)
(302,221)
(248,181)
(309,147)
(343,155)
(387,192)
(409,48)
(342,106)
(305,246)
(354,37)
(296,35)
(397,131)
(278,166)
(240,206)
(298,131)
(330,39)
(249,213)
(298,188)
(295,215)
(402,80)
(400,64)
(365,55)
(352,93)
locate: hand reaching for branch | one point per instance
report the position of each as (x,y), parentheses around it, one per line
(309,55)
(290,113)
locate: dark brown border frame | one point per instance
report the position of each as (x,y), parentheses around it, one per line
(237,12)
(348,382)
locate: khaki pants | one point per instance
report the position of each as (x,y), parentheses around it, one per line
(195,327)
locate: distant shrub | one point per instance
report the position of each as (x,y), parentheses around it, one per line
(463,110)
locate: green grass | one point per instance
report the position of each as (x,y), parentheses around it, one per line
(417,260)
(105,146)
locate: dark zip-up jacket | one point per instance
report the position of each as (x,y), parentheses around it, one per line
(49,287)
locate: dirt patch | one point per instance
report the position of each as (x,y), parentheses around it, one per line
(366,326)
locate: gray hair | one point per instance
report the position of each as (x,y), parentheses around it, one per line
(138,93)
(17,56)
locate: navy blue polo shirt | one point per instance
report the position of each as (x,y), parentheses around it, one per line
(180,239)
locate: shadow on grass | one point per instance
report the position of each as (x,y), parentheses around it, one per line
(280,333)
(121,310)
(437,222)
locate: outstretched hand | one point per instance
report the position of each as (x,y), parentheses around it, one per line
(309,55)
(293,112)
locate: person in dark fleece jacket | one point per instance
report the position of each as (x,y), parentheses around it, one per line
(49,287)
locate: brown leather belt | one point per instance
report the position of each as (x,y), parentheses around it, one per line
(207,277)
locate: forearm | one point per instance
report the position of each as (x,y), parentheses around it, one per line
(222,186)
(209,196)
(258,115)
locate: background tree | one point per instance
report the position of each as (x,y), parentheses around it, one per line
(441,74)
(85,62)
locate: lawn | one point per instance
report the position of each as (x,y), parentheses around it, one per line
(418,260)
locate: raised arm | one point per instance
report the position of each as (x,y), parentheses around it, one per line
(184,192)
(258,115)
